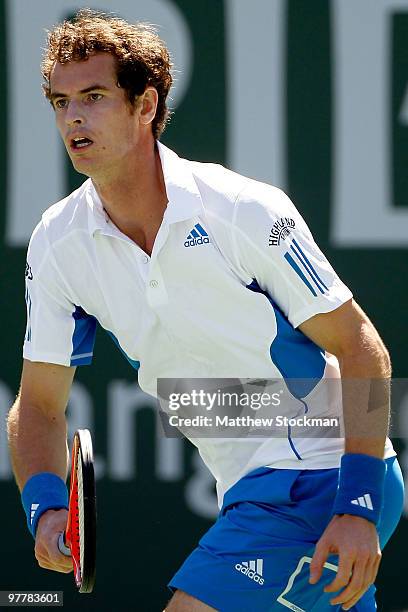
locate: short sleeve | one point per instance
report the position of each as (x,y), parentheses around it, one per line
(276,249)
(58,331)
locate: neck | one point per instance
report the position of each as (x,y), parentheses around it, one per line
(135,197)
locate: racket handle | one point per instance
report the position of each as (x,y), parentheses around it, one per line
(63,548)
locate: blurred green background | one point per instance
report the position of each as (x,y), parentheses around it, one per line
(309,95)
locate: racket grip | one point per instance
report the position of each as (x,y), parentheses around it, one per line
(63,548)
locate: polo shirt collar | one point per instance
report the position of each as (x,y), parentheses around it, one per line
(97,217)
(182,191)
(184,199)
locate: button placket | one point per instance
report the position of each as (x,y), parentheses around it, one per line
(156,293)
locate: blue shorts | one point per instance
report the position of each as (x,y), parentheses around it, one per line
(256,557)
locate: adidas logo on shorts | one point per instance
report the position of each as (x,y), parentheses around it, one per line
(252,569)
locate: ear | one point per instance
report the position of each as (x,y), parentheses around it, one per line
(148,105)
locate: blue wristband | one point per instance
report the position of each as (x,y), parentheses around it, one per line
(42,492)
(361,486)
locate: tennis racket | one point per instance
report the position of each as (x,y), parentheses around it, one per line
(79,538)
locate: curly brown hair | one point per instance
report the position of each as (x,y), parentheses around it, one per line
(141,56)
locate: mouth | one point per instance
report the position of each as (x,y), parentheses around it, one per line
(80,143)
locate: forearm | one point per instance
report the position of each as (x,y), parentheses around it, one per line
(366,399)
(37,441)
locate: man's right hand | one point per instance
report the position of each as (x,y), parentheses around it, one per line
(47,553)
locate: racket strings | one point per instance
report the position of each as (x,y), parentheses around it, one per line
(81,527)
(81,517)
(75,531)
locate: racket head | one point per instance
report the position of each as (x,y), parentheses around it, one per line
(81,525)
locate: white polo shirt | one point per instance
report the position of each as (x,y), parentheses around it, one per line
(234,271)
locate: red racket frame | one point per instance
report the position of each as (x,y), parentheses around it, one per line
(82,458)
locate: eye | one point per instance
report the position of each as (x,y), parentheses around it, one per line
(95,97)
(61,103)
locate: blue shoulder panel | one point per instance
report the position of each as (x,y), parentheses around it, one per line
(300,361)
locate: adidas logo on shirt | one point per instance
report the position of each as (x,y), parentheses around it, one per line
(252,569)
(33,511)
(364,501)
(198,235)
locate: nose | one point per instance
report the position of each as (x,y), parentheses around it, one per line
(74,115)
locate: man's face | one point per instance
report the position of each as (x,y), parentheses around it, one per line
(93,116)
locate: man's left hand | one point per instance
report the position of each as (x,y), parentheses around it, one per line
(355,541)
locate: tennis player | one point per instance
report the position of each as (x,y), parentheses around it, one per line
(198,272)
